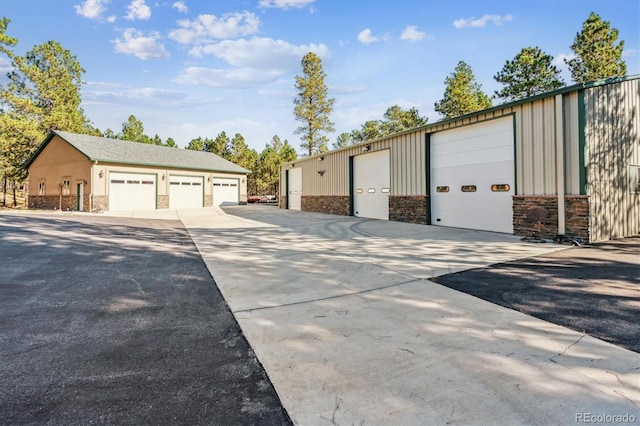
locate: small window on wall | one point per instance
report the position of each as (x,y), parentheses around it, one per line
(634,179)
(66,186)
(500,187)
(41,188)
(469,188)
(442,189)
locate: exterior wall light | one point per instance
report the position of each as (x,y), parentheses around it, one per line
(321,158)
(101,174)
(321,172)
(366,148)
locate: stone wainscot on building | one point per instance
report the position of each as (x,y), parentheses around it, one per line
(87,173)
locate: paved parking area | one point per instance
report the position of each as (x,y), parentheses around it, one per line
(593,289)
(344,316)
(118,321)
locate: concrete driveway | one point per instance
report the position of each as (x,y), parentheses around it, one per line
(350,329)
(118,321)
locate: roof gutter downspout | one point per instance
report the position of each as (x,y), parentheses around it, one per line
(560,164)
(95,163)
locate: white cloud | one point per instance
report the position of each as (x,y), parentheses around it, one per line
(481,22)
(366,37)
(210,27)
(91,9)
(138,10)
(180,6)
(136,43)
(627,53)
(411,33)
(284,4)
(111,19)
(230,78)
(559,60)
(261,52)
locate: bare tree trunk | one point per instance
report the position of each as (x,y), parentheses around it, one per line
(4,191)
(15,194)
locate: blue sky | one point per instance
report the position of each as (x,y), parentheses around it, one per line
(198,67)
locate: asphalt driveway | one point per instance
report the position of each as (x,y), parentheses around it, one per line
(118,321)
(591,289)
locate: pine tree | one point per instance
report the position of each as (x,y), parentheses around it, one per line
(462,94)
(312,106)
(42,93)
(132,130)
(531,72)
(597,55)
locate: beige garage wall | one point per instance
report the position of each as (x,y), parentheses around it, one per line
(58,160)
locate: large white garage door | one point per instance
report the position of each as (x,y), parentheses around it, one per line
(226,192)
(132,191)
(472,176)
(295,189)
(371,178)
(186,192)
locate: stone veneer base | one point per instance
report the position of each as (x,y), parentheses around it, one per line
(409,209)
(576,216)
(330,204)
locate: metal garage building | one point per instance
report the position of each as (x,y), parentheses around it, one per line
(564,163)
(88,173)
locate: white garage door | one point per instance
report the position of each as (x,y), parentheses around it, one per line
(472,176)
(226,192)
(371,178)
(295,189)
(132,191)
(186,192)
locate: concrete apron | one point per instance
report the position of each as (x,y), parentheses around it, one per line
(349,329)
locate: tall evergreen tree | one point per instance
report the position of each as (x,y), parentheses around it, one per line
(344,139)
(221,145)
(597,54)
(397,120)
(42,93)
(312,106)
(462,94)
(196,144)
(133,130)
(531,72)
(241,154)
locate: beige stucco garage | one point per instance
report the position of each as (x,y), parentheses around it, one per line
(88,173)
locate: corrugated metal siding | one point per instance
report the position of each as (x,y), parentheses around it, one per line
(535,147)
(535,150)
(572,145)
(408,169)
(612,144)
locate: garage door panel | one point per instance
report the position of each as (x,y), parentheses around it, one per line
(295,189)
(478,157)
(371,181)
(132,191)
(226,191)
(186,191)
(489,173)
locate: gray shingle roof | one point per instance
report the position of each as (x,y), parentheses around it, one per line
(119,151)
